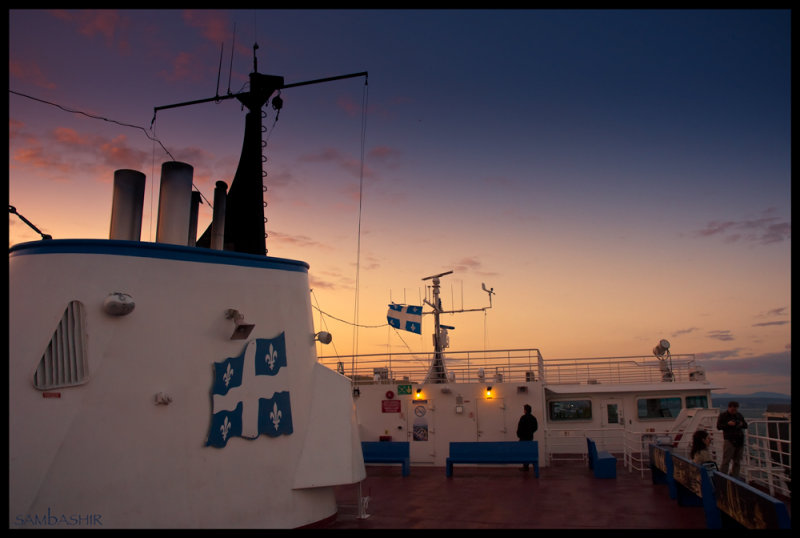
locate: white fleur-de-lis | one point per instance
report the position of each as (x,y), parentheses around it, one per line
(273,355)
(225,428)
(275,415)
(228,375)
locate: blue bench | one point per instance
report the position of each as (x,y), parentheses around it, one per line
(601,462)
(693,487)
(726,501)
(661,468)
(493,452)
(743,506)
(387,452)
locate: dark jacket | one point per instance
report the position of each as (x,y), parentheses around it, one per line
(734,434)
(526,427)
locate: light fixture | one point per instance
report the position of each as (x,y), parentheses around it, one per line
(242,329)
(419,393)
(118,304)
(488,391)
(323,337)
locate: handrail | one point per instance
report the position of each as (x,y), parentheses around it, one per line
(512,365)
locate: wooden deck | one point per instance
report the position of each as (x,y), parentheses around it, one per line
(565,496)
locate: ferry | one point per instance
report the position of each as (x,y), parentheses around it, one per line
(176,384)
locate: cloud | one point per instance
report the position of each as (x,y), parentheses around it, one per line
(684,331)
(302,241)
(108,23)
(471,265)
(766,323)
(765,230)
(213,24)
(728,362)
(720,335)
(29,72)
(69,150)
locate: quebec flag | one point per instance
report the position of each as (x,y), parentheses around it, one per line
(246,399)
(407,318)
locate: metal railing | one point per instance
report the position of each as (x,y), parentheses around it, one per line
(514,365)
(768,455)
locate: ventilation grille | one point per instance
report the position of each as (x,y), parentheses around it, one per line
(64,362)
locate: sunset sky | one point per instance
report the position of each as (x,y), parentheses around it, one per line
(617,177)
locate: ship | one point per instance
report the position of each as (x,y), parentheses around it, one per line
(176,384)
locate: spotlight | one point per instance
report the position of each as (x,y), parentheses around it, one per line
(323,337)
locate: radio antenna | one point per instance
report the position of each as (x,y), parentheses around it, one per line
(219,71)
(230,68)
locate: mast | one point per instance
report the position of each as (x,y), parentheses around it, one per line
(437,372)
(244,216)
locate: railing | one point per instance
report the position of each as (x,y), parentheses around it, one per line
(514,365)
(511,365)
(768,455)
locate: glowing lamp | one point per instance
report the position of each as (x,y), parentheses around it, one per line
(489,391)
(419,393)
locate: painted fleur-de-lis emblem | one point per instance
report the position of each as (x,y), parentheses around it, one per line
(228,375)
(225,428)
(273,355)
(275,415)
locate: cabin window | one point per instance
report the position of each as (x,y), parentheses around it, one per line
(64,362)
(697,401)
(570,410)
(659,407)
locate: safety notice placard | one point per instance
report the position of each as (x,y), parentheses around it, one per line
(390,406)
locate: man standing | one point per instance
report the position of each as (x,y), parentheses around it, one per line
(526,428)
(732,424)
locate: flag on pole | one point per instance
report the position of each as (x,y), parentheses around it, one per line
(405,317)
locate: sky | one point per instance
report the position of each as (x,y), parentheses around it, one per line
(618,177)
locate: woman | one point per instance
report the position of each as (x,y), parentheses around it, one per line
(700,453)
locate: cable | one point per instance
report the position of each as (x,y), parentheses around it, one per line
(72,111)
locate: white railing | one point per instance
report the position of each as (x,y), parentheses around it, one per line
(513,365)
(768,455)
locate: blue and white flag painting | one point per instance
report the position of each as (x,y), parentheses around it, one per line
(246,399)
(407,318)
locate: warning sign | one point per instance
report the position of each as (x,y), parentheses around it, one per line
(391,406)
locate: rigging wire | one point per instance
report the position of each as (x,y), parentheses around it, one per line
(360,201)
(123,124)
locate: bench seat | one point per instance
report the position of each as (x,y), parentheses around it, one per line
(387,452)
(603,463)
(493,452)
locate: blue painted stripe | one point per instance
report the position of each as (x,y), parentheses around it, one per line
(114,247)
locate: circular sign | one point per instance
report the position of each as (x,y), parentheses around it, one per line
(389,394)
(419,410)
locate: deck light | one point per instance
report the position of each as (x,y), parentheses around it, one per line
(419,393)
(489,391)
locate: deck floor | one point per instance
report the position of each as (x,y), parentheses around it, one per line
(565,496)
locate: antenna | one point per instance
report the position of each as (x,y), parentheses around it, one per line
(219,71)
(233,47)
(490,291)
